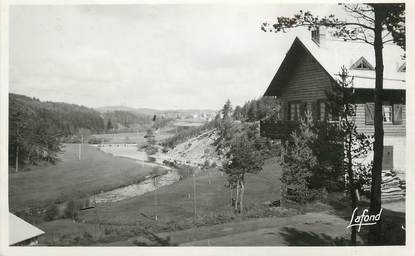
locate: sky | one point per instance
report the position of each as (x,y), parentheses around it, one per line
(148,56)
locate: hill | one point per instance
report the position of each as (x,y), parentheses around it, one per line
(36,128)
(167,113)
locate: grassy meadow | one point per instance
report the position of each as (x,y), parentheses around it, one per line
(212,197)
(134,137)
(71,177)
(175,207)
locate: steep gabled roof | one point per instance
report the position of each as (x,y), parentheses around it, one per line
(294,54)
(333,54)
(362,64)
(20,230)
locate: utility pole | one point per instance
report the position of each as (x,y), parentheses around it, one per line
(155,198)
(17,158)
(194,193)
(80,147)
(188,174)
(98,228)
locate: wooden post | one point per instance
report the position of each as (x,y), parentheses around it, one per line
(98,227)
(230,186)
(17,158)
(155,199)
(80,147)
(237,196)
(194,193)
(242,197)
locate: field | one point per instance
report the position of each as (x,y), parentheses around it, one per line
(176,211)
(119,223)
(212,197)
(96,171)
(189,122)
(175,204)
(134,137)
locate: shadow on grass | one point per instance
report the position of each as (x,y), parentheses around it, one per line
(393,222)
(295,237)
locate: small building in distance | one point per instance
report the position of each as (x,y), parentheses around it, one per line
(22,233)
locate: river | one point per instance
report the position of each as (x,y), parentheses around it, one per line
(147,185)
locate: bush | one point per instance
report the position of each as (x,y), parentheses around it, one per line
(86,239)
(206,164)
(71,210)
(299,161)
(94,140)
(51,212)
(151,150)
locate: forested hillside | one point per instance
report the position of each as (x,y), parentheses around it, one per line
(123,120)
(256,109)
(36,127)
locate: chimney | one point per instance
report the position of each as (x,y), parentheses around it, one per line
(318,35)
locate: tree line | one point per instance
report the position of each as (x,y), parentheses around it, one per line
(256,109)
(185,133)
(36,128)
(124,120)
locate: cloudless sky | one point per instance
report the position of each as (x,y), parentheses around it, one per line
(155,56)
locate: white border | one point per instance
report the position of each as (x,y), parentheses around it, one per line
(384,250)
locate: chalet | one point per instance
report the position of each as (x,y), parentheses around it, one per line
(311,67)
(22,233)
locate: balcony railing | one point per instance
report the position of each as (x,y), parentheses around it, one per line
(282,129)
(277,129)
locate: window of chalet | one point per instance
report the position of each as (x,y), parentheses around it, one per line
(322,110)
(387,114)
(324,113)
(294,111)
(392,114)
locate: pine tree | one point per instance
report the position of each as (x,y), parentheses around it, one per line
(109,125)
(252,111)
(299,162)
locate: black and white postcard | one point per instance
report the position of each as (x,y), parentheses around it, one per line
(257,125)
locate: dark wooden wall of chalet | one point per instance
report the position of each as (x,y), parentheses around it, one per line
(389,129)
(308,82)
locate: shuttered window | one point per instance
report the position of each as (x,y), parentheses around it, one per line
(387,114)
(369,113)
(397,113)
(322,112)
(295,111)
(391,114)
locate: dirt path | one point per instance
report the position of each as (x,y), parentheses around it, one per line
(312,229)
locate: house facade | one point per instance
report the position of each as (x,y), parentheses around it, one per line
(311,67)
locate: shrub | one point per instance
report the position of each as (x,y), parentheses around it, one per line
(51,212)
(298,163)
(87,239)
(206,164)
(71,210)
(94,140)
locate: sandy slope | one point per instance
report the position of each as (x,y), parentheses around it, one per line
(196,151)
